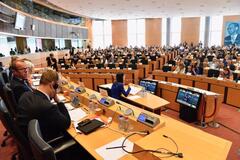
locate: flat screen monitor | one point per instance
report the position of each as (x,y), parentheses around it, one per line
(149,85)
(188,97)
(111,66)
(133,66)
(19,21)
(100,65)
(166,68)
(213,73)
(144,61)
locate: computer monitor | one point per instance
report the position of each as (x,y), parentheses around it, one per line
(100,65)
(144,61)
(121,66)
(149,85)
(133,66)
(213,73)
(166,68)
(133,61)
(188,98)
(111,66)
(153,58)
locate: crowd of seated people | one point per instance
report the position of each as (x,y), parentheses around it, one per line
(191,59)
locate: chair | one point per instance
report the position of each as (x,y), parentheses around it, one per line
(16,133)
(10,99)
(5,76)
(41,149)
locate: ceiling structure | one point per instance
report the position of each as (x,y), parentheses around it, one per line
(132,9)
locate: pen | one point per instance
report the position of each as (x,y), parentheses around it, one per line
(115,147)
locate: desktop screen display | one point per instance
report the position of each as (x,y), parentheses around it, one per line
(20,21)
(149,85)
(188,98)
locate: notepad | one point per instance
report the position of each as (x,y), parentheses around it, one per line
(77,114)
(114,154)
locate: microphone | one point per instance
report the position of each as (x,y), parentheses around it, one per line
(128,111)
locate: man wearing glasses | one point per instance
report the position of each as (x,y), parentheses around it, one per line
(19,83)
(53,118)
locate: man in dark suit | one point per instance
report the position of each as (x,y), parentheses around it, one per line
(234,35)
(51,61)
(19,83)
(53,118)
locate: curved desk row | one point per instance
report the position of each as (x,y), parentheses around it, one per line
(131,76)
(205,146)
(229,89)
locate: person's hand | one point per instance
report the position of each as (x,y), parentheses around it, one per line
(56,99)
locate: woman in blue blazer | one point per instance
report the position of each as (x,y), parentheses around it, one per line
(118,87)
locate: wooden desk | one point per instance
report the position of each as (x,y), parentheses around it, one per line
(205,146)
(169,92)
(145,102)
(230,89)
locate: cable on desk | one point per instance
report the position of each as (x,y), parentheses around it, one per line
(169,153)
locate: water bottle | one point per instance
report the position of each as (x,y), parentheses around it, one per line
(120,122)
(91,107)
(125,124)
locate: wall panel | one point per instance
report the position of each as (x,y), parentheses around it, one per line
(153,31)
(119,33)
(190,30)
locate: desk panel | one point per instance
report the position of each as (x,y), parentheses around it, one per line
(233,97)
(187,82)
(217,89)
(201,85)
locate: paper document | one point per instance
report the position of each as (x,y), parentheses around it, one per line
(61,97)
(134,97)
(69,106)
(77,114)
(117,153)
(135,90)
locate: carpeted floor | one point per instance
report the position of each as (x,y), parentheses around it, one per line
(228,117)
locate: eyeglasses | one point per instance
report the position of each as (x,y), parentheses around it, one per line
(20,69)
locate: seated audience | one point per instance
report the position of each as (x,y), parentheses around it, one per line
(118,87)
(52,62)
(19,83)
(53,118)
(180,68)
(226,73)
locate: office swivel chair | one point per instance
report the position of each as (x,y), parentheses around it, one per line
(10,99)
(43,150)
(21,140)
(11,105)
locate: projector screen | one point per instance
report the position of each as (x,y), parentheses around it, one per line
(20,21)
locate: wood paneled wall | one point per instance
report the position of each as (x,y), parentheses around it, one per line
(190,30)
(119,33)
(153,31)
(235,18)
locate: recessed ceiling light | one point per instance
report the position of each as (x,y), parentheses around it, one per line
(153,1)
(202,5)
(178,4)
(113,4)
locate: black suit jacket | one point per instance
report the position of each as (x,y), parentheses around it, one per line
(18,87)
(227,40)
(53,118)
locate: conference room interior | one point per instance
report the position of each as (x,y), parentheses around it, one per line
(167,51)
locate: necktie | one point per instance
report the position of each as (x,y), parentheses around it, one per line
(27,85)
